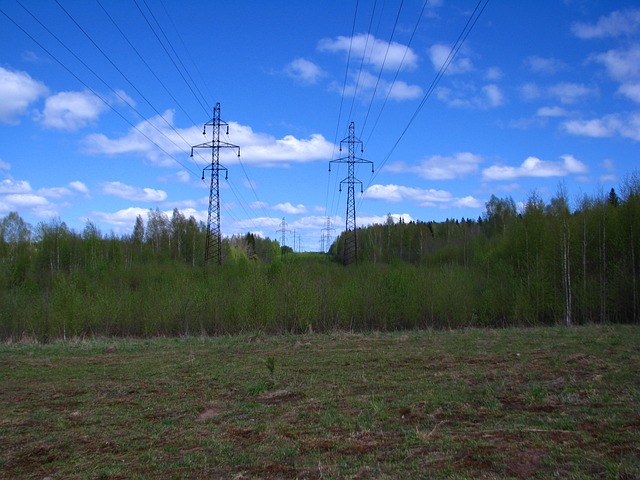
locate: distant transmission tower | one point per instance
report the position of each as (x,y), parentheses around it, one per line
(350,253)
(283,230)
(326,235)
(213,248)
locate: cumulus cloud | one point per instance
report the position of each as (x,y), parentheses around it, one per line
(14,186)
(162,144)
(616,24)
(304,71)
(552,112)
(535,167)
(17,91)
(71,110)
(623,66)
(377,53)
(564,92)
(79,187)
(127,192)
(366,83)
(569,93)
(290,209)
(544,65)
(122,218)
(440,167)
(26,200)
(423,197)
(54,192)
(469,96)
(625,126)
(439,55)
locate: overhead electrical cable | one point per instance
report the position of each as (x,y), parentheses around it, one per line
(204,107)
(146,64)
(100,97)
(344,87)
(187,50)
(364,55)
(177,56)
(471,22)
(384,61)
(395,78)
(160,115)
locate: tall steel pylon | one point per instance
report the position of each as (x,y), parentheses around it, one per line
(213,246)
(350,253)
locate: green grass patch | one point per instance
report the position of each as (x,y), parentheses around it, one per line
(510,403)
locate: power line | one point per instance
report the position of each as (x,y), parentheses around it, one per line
(146,64)
(125,77)
(404,56)
(177,56)
(471,22)
(344,87)
(384,61)
(169,55)
(100,97)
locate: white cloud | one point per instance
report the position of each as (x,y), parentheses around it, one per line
(156,139)
(494,73)
(569,93)
(626,126)
(493,95)
(17,91)
(468,202)
(265,150)
(400,90)
(469,96)
(127,192)
(26,200)
(631,91)
(534,167)
(4,165)
(79,187)
(13,186)
(617,23)
(623,66)
(544,65)
(439,55)
(71,110)
(258,204)
(54,192)
(440,167)
(257,148)
(366,83)
(552,112)
(290,209)
(376,52)
(122,218)
(304,71)
(564,92)
(423,197)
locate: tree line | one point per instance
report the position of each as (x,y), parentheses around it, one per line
(534,262)
(527,263)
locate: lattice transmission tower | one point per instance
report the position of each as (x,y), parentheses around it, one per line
(350,252)
(213,246)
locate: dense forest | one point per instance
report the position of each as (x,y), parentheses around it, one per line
(526,263)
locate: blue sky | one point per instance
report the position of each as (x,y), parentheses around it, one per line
(100,102)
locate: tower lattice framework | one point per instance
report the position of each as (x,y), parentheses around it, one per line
(213,245)
(350,252)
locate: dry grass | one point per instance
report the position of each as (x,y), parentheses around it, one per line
(514,403)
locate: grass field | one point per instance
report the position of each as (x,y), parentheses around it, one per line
(512,403)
